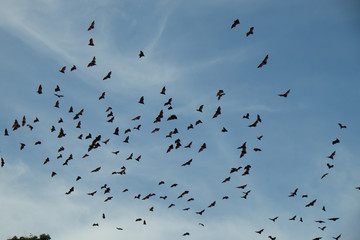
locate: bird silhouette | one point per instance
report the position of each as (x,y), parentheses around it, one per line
(251,31)
(62,70)
(236,22)
(141,54)
(263,61)
(107,76)
(284,94)
(310,203)
(92,62)
(92,25)
(91,42)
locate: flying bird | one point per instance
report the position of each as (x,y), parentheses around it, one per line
(70,191)
(217,113)
(141,100)
(335,141)
(96,169)
(141,54)
(202,147)
(236,22)
(284,94)
(62,70)
(263,61)
(260,231)
(332,155)
(92,63)
(293,193)
(163,90)
(310,203)
(92,25)
(250,31)
(274,219)
(200,108)
(341,126)
(107,76)
(73,68)
(91,42)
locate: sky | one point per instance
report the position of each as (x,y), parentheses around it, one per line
(191,49)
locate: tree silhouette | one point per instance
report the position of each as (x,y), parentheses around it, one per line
(31,237)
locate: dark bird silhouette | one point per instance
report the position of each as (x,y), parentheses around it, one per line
(272,238)
(102,96)
(224,129)
(151,209)
(198,122)
(254,124)
(22,145)
(257,149)
(293,218)
(190,126)
(320,221)
(70,191)
(236,22)
(95,224)
(202,147)
(246,116)
(251,31)
(310,203)
(53,174)
(92,25)
(136,118)
(39,91)
(242,187)
(322,228)
(284,94)
(246,194)
(168,102)
(186,234)
(335,141)
(189,145)
(171,205)
(324,175)
(200,108)
(73,68)
(337,238)
(260,231)
(263,61)
(217,113)
(187,163)
(172,117)
(57,89)
(108,199)
(57,104)
(141,100)
(333,219)
(226,180)
(96,169)
(91,42)
(92,62)
(92,193)
(225,197)
(274,219)
(220,93)
(183,194)
(163,90)
(2,162)
(161,182)
(126,140)
(119,228)
(107,76)
(6,133)
(141,54)
(329,165)
(332,155)
(116,132)
(293,193)
(317,238)
(323,208)
(200,212)
(341,126)
(77,178)
(173,185)
(62,70)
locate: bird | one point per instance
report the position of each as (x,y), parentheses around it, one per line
(260,231)
(57,104)
(187,163)
(186,234)
(39,91)
(107,199)
(6,133)
(246,116)
(141,54)
(73,68)
(200,212)
(337,237)
(70,191)
(107,76)
(310,203)
(95,224)
(119,228)
(62,70)
(236,22)
(263,61)
(141,100)
(226,180)
(136,118)
(92,62)
(332,155)
(254,124)
(242,187)
(341,126)
(293,193)
(172,117)
(260,137)
(329,165)
(250,31)
(217,113)
(284,94)
(173,185)
(53,174)
(102,96)
(2,162)
(203,146)
(189,145)
(274,219)
(322,228)
(22,145)
(96,169)
(293,218)
(91,42)
(272,238)
(163,90)
(220,93)
(77,178)
(324,175)
(333,219)
(224,129)
(200,108)
(335,141)
(317,238)
(92,25)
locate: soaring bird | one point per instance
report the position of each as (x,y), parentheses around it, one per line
(70,191)
(39,91)
(220,93)
(324,175)
(187,163)
(96,169)
(202,147)
(92,63)
(293,193)
(108,75)
(236,22)
(53,174)
(284,94)
(310,203)
(260,231)
(263,61)
(163,90)
(217,113)
(92,25)
(102,96)
(337,238)
(274,219)
(141,54)
(341,126)
(73,68)
(62,70)
(335,141)
(333,219)
(91,42)
(2,162)
(250,31)
(200,108)
(141,100)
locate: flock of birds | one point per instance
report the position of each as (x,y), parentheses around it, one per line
(97,141)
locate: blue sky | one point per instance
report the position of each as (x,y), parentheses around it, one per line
(189,48)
